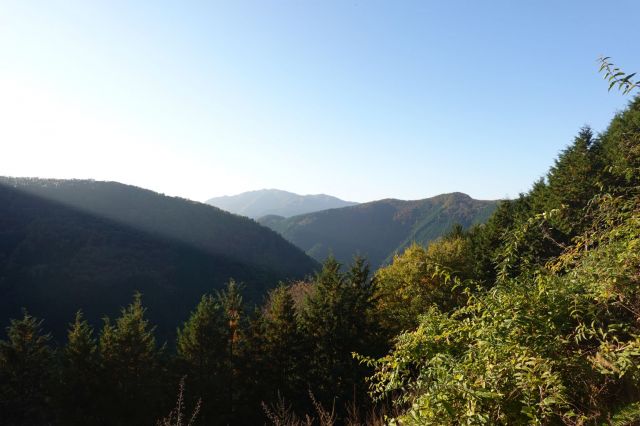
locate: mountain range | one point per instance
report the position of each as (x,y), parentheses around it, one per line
(81,244)
(256,204)
(379,229)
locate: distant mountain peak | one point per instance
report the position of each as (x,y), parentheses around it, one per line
(269,201)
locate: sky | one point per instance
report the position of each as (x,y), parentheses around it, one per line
(362,99)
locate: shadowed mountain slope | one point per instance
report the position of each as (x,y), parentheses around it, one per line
(68,245)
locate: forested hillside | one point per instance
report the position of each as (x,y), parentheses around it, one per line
(534,317)
(256,204)
(379,229)
(68,245)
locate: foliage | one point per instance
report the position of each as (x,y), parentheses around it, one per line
(555,337)
(419,278)
(338,320)
(25,373)
(202,352)
(80,377)
(130,358)
(283,345)
(617,77)
(540,348)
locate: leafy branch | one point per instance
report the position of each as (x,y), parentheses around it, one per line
(616,76)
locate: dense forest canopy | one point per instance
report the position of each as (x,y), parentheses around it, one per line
(536,320)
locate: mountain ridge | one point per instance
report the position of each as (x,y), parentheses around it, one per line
(90,245)
(263,202)
(379,229)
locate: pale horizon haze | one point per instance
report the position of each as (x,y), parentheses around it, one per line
(361,100)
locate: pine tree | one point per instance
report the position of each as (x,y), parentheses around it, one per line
(255,380)
(130,359)
(232,305)
(284,347)
(202,350)
(26,362)
(574,180)
(336,317)
(79,376)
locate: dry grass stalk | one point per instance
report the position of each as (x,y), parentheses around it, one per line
(176,417)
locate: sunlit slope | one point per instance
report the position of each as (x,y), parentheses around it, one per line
(378,229)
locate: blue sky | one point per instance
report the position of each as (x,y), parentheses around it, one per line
(359,99)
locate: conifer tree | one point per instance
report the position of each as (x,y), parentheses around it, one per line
(26,362)
(79,375)
(130,359)
(232,305)
(574,179)
(202,350)
(255,381)
(284,346)
(336,319)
